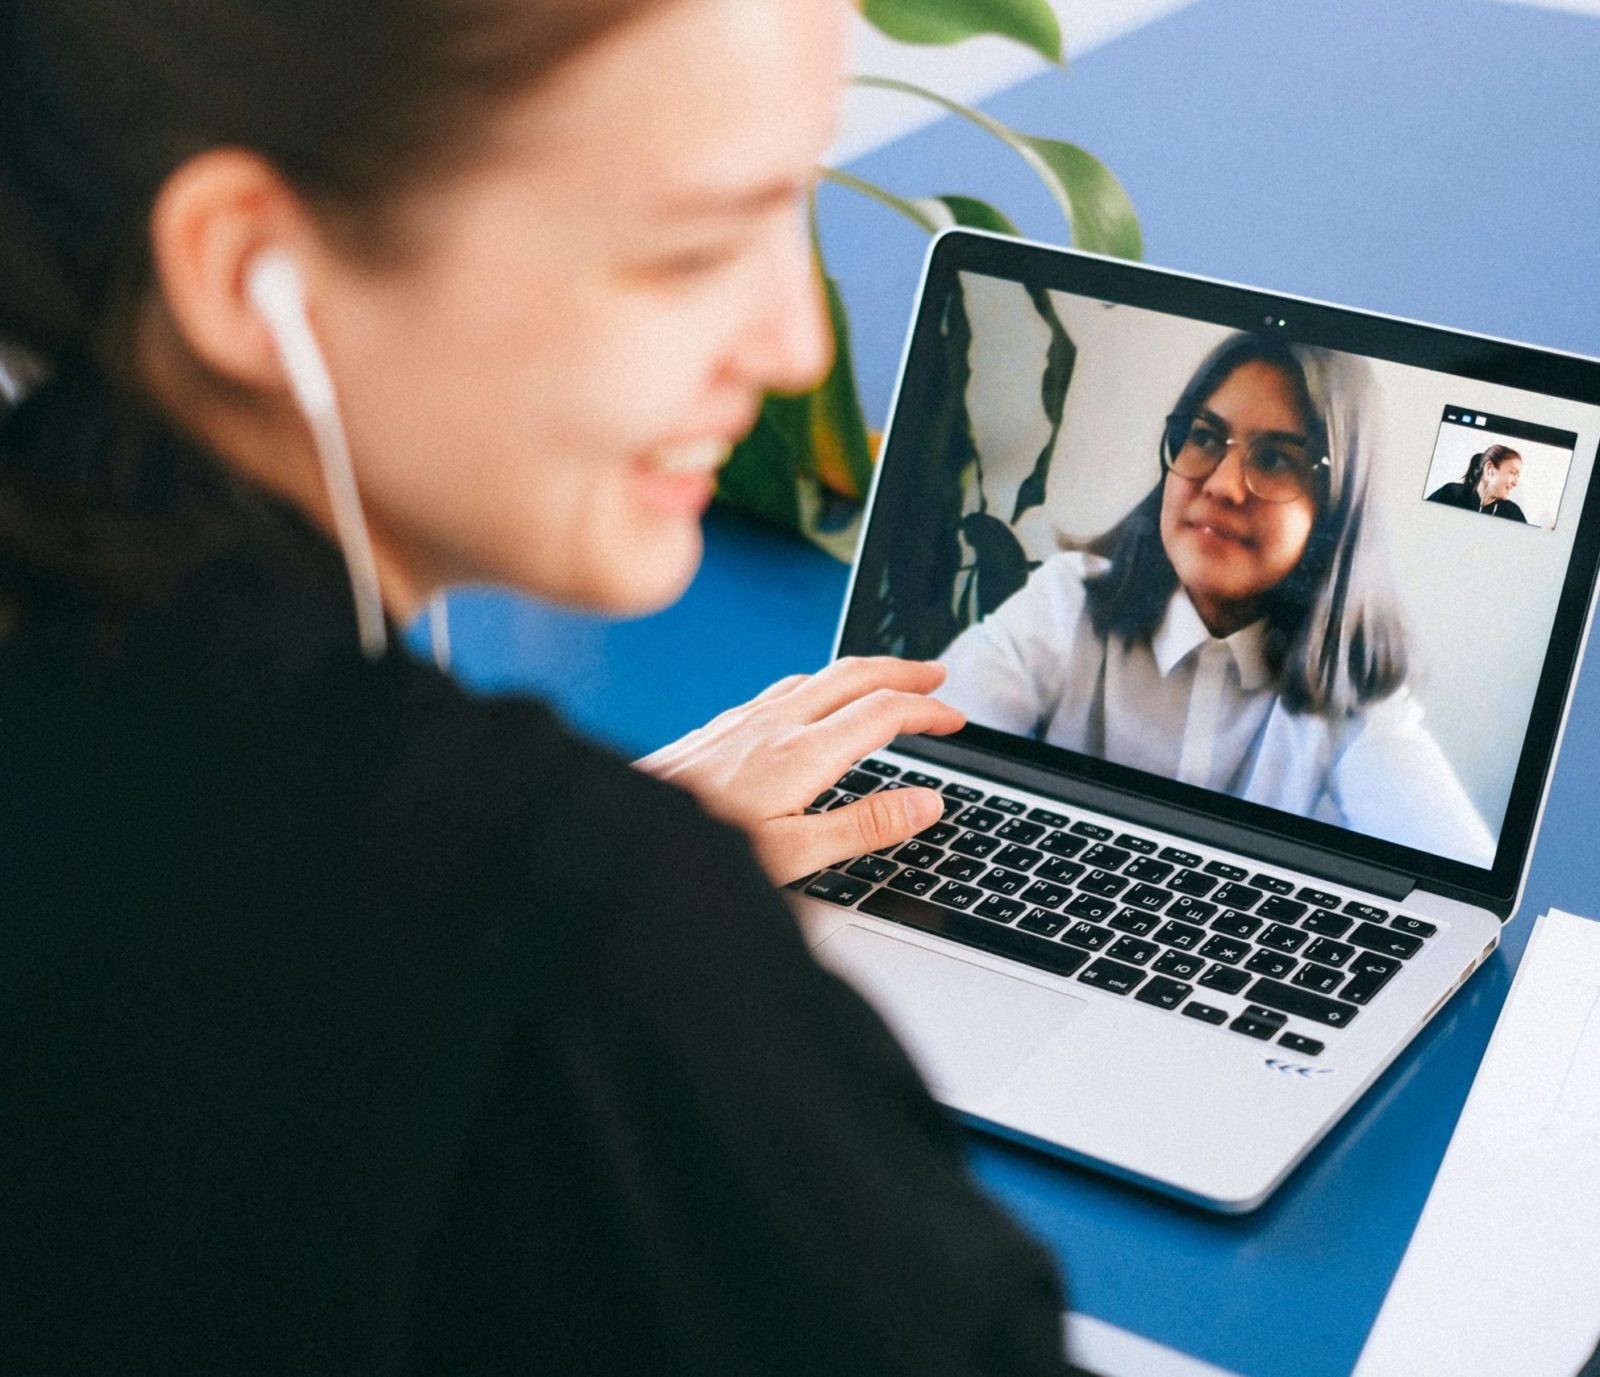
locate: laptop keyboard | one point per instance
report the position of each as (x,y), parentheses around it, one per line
(1207,939)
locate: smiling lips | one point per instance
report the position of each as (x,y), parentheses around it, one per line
(1234,535)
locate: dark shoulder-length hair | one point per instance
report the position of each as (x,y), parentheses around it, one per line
(1335,641)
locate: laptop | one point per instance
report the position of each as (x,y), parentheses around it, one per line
(1265,616)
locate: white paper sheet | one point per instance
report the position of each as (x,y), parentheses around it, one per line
(1503,1273)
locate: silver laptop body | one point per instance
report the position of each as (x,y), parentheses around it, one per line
(1034,395)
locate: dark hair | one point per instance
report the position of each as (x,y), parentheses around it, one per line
(353,101)
(1495,454)
(1334,637)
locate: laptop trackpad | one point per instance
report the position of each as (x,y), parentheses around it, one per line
(966,1027)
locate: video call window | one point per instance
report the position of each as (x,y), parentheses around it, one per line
(1206,555)
(1498,466)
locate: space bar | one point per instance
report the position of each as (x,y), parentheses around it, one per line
(974,932)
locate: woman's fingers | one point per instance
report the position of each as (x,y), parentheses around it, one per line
(854,677)
(795,846)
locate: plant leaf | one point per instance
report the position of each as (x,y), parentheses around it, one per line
(1098,212)
(1030,22)
(1060,359)
(1000,565)
(970,212)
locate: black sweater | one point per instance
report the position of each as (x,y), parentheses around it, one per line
(349,1023)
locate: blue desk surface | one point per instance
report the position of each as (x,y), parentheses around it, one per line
(1434,159)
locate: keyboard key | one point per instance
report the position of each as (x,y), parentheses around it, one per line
(1164,993)
(956,895)
(1059,872)
(1147,897)
(950,808)
(1181,936)
(1143,845)
(919,854)
(1105,857)
(1187,910)
(1132,949)
(1046,894)
(1281,938)
(1273,963)
(1282,910)
(1100,882)
(1272,884)
(1366,912)
(1233,924)
(1386,941)
(1149,871)
(1048,818)
(1000,909)
(1253,1026)
(1106,974)
(858,782)
(1060,844)
(1002,881)
(1001,804)
(1369,973)
(914,881)
(1307,1047)
(1227,950)
(1092,830)
(1088,936)
(1303,1003)
(1329,952)
(1016,830)
(1415,926)
(1041,921)
(976,844)
(881,768)
(1204,1012)
(1322,979)
(1237,896)
(837,888)
(823,799)
(914,780)
(1226,871)
(1225,978)
(1180,964)
(963,927)
(939,833)
(1192,882)
(841,801)
(1136,921)
(1318,898)
(1177,857)
(1327,922)
(960,867)
(1087,906)
(1018,857)
(872,869)
(979,819)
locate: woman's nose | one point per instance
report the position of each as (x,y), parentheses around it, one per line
(1227,482)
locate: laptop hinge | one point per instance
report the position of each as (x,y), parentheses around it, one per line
(1249,841)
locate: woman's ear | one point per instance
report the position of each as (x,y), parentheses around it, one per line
(211,219)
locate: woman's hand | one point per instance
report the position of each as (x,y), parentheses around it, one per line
(759,765)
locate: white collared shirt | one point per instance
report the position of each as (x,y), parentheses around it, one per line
(1192,707)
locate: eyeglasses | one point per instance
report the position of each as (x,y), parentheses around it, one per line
(1277,468)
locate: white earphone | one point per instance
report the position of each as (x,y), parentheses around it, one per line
(277,293)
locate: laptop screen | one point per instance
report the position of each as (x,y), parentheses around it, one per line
(1321,571)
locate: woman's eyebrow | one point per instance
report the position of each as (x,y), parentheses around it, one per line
(1226,427)
(734,201)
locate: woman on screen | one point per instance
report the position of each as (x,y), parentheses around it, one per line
(1487,484)
(1234,631)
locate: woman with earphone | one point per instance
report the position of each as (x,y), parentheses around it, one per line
(1486,487)
(350,1023)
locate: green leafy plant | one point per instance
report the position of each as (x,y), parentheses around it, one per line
(808,461)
